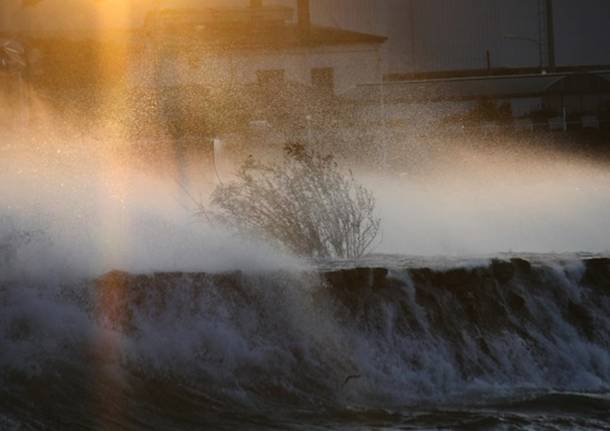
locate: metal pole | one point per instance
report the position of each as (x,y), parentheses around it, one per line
(384,153)
(541,54)
(23,114)
(309,134)
(488,59)
(413,35)
(540,41)
(550,34)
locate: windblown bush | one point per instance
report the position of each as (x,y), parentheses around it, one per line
(305,204)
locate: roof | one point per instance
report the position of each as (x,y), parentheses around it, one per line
(215,15)
(456,89)
(278,37)
(196,27)
(495,71)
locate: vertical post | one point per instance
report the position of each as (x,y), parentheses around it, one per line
(541,38)
(216,150)
(413,35)
(384,153)
(488,59)
(309,134)
(304,19)
(550,33)
(24,106)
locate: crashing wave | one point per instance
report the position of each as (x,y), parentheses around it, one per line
(375,337)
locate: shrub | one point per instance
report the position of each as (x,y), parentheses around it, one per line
(305,204)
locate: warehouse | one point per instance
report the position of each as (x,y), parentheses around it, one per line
(565,100)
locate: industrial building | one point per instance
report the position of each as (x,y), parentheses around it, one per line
(556,101)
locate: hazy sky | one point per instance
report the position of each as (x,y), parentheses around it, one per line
(424,34)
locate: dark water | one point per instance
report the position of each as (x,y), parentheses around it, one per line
(505,343)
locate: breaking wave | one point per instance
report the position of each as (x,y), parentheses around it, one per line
(367,341)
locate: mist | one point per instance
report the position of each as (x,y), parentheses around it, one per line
(334,215)
(95,205)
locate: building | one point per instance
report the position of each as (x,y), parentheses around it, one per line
(562,100)
(423,35)
(259,44)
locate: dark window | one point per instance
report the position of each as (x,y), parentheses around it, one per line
(270,77)
(323,78)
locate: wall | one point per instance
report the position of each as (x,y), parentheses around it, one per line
(352,64)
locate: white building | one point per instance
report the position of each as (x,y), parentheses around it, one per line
(223,46)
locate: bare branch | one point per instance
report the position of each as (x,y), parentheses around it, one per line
(306,204)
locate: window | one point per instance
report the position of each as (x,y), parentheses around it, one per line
(271,77)
(323,78)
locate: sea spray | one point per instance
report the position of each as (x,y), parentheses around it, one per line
(291,338)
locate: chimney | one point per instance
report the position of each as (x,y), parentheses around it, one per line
(255,7)
(304,17)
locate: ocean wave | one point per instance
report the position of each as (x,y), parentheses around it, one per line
(344,337)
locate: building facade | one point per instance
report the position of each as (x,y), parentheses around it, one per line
(232,47)
(555,101)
